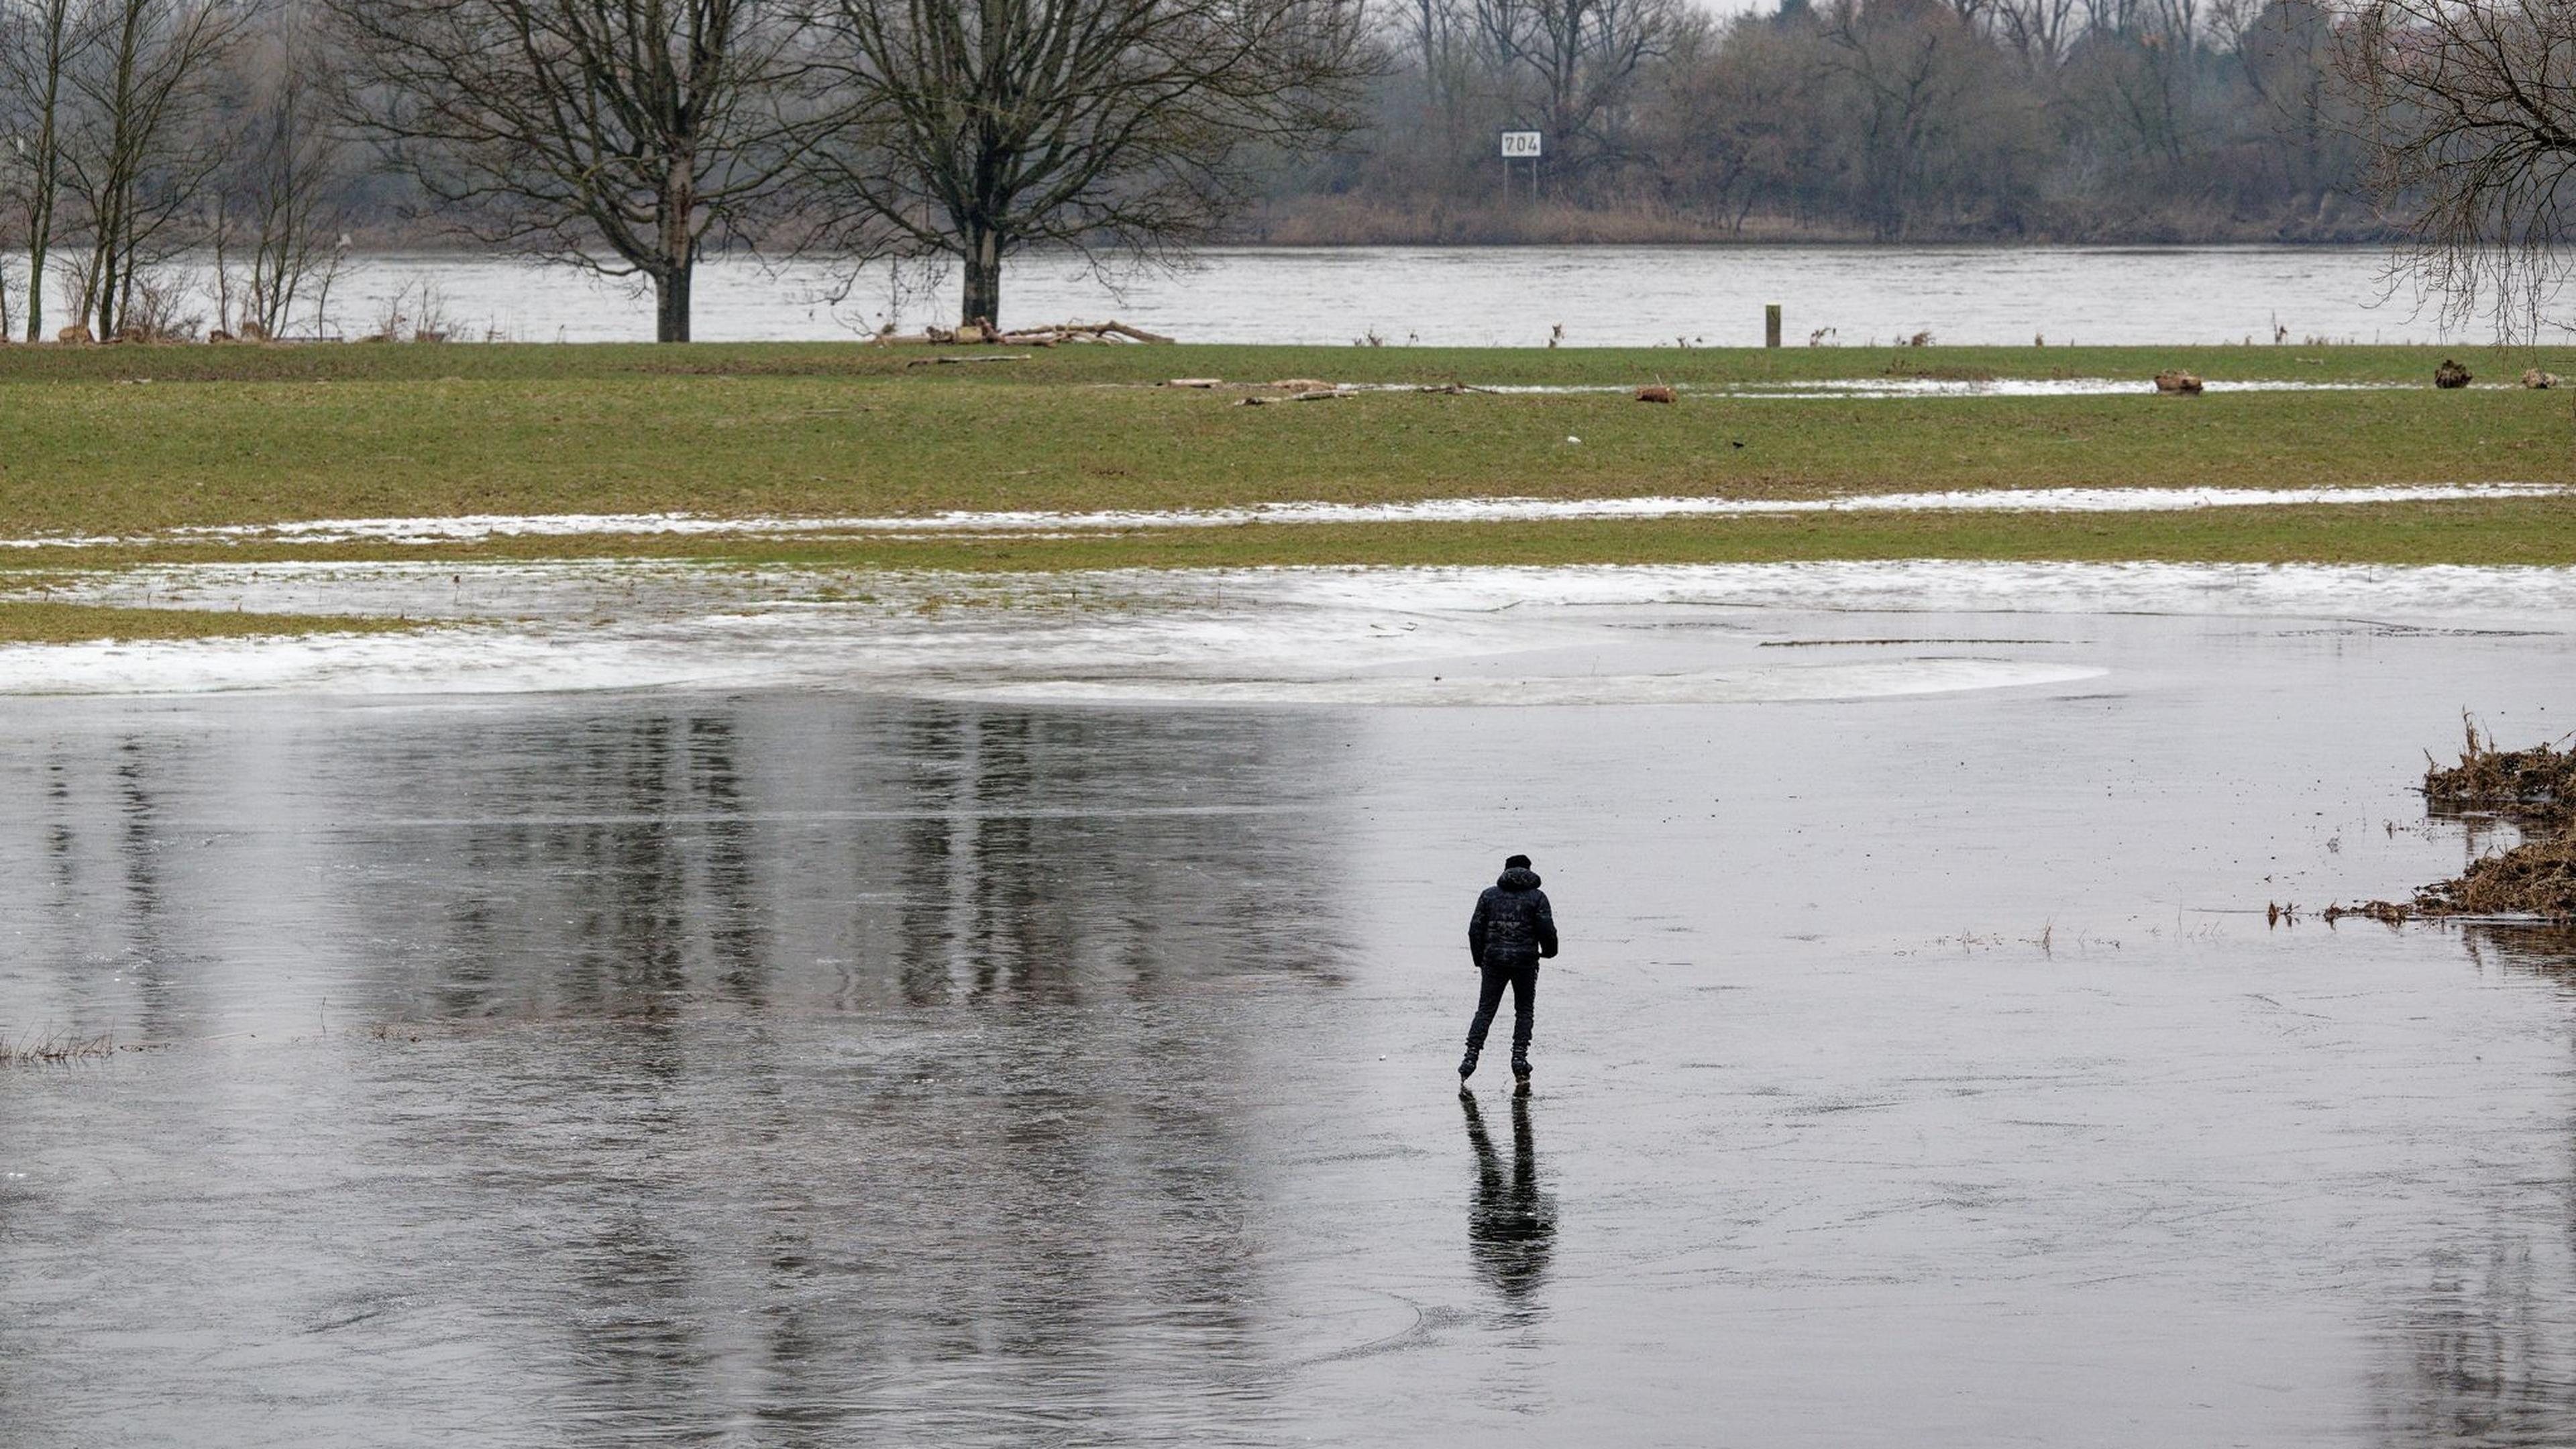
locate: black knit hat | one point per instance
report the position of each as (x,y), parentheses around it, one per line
(1517,862)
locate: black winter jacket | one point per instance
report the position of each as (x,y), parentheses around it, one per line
(1512,925)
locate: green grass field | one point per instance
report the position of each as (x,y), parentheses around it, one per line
(30,622)
(132,440)
(1573,366)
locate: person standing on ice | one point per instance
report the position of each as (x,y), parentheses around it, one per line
(1512,930)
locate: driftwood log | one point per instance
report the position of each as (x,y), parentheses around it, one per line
(974,333)
(2538,380)
(1655,394)
(2176,381)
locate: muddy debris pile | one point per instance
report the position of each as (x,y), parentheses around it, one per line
(2536,785)
(2535,878)
(2534,789)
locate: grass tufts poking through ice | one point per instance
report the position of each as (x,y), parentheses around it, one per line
(52,1049)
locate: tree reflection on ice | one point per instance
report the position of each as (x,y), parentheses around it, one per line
(2487,1357)
(1511,1221)
(2487,1353)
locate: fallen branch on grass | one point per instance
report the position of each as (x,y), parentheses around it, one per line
(1050,336)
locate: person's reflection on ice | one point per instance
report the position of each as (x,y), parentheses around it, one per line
(1511,1224)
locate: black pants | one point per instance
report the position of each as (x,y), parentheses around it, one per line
(1523,979)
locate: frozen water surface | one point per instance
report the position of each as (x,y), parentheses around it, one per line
(948,1048)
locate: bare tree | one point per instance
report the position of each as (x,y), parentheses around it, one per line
(2472,118)
(279,192)
(136,156)
(1728,113)
(1583,55)
(1437,40)
(2285,50)
(2038,30)
(1432,36)
(982,127)
(1917,76)
(612,135)
(39,40)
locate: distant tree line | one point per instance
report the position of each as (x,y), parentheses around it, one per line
(1881,120)
(627,137)
(140,139)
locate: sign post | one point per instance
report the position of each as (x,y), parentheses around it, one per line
(1517,145)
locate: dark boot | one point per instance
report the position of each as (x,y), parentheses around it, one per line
(1466,1066)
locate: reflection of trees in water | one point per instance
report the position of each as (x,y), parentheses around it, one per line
(97,899)
(2488,1352)
(868,1072)
(847,856)
(2488,1355)
(601,867)
(627,863)
(1511,1221)
(990,1165)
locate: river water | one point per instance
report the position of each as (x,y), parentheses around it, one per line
(1485,296)
(1041,1030)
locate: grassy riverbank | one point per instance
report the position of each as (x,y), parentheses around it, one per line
(131,441)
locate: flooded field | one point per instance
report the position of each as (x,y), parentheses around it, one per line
(1022,1021)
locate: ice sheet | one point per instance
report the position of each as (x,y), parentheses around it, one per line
(1489,635)
(811,1067)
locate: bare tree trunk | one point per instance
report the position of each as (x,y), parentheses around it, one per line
(145,159)
(679,250)
(276,205)
(116,180)
(671,304)
(982,300)
(46,184)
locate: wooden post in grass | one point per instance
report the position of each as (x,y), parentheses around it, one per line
(1771,325)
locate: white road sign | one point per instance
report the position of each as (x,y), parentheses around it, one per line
(1517,144)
